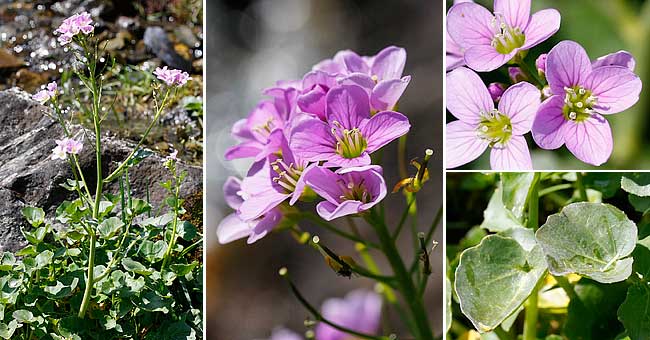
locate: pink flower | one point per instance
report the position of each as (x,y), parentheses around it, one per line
(78,23)
(490,41)
(172,156)
(172,76)
(360,310)
(481,125)
(496,91)
(582,92)
(66,146)
(43,96)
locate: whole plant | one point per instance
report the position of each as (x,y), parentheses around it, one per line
(103,265)
(569,107)
(315,146)
(556,256)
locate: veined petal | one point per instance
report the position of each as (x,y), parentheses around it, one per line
(520,102)
(470,24)
(335,160)
(360,79)
(352,61)
(389,63)
(548,124)
(231,189)
(348,105)
(387,93)
(485,58)
(616,88)
(300,185)
(514,156)
(240,130)
(244,150)
(383,128)
(313,101)
(467,96)
(620,58)
(232,228)
(265,225)
(453,61)
(311,140)
(542,26)
(463,144)
(324,182)
(515,12)
(261,203)
(329,211)
(591,140)
(567,65)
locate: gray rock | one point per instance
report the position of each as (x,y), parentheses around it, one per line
(159,44)
(28,175)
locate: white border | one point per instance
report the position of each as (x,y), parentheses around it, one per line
(204,167)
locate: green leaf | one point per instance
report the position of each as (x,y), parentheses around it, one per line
(633,188)
(515,187)
(153,302)
(23,316)
(35,216)
(44,259)
(590,239)
(186,230)
(139,156)
(608,183)
(183,269)
(593,314)
(449,316)
(494,279)
(110,227)
(634,312)
(179,331)
(7,261)
(136,267)
(497,217)
(7,331)
(641,257)
(153,252)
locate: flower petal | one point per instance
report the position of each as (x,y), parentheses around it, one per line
(591,140)
(389,63)
(470,24)
(352,61)
(542,26)
(232,228)
(335,160)
(462,144)
(360,79)
(387,93)
(348,105)
(520,102)
(244,150)
(615,87)
(548,124)
(231,189)
(311,140)
(515,12)
(467,96)
(324,182)
(383,128)
(313,101)
(485,58)
(567,65)
(265,225)
(620,58)
(514,156)
(329,211)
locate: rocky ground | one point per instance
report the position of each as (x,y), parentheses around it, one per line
(28,175)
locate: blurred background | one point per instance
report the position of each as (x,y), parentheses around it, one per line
(601,27)
(252,44)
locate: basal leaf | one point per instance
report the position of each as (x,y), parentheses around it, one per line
(44,259)
(515,187)
(153,252)
(494,279)
(35,216)
(135,266)
(497,217)
(634,312)
(633,188)
(590,239)
(110,227)
(23,316)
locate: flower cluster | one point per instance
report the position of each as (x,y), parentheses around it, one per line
(78,23)
(566,106)
(66,146)
(171,77)
(45,95)
(314,137)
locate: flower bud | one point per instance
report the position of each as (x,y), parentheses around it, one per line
(496,91)
(516,75)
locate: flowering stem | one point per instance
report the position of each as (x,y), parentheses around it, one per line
(124,163)
(319,317)
(91,272)
(527,70)
(581,187)
(554,188)
(319,221)
(404,279)
(531,312)
(172,241)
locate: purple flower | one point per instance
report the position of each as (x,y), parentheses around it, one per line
(66,146)
(173,156)
(490,41)
(43,96)
(496,91)
(380,76)
(233,227)
(78,23)
(315,86)
(350,135)
(171,77)
(454,55)
(540,63)
(253,132)
(347,191)
(360,311)
(284,334)
(582,93)
(516,75)
(280,177)
(481,125)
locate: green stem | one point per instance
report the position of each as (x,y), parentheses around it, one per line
(172,241)
(121,167)
(528,71)
(502,334)
(581,187)
(531,311)
(320,222)
(554,188)
(90,281)
(404,280)
(566,286)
